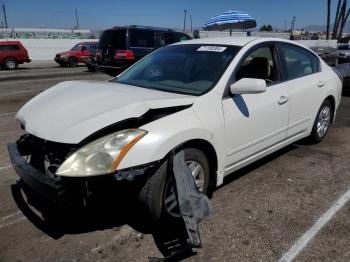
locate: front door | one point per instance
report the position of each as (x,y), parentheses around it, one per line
(254,122)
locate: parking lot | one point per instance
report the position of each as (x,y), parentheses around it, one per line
(259,213)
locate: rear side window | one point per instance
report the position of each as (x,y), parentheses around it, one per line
(9,47)
(299,62)
(141,38)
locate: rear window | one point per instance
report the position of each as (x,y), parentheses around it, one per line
(115,39)
(141,38)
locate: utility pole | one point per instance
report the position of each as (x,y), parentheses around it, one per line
(191,23)
(185,20)
(76,17)
(285,25)
(4,10)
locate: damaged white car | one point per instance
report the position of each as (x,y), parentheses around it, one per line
(225,102)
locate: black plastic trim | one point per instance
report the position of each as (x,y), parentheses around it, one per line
(42,184)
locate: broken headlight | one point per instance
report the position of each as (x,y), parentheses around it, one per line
(101,156)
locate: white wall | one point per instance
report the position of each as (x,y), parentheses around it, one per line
(319,43)
(46,49)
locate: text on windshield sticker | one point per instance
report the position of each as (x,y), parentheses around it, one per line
(212,48)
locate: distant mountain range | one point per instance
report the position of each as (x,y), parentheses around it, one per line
(323,28)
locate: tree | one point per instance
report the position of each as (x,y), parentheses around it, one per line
(341,17)
(263,28)
(328,17)
(335,26)
(266,28)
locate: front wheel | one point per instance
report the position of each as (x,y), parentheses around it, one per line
(322,122)
(72,62)
(158,195)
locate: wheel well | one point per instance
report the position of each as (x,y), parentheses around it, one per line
(209,152)
(9,58)
(332,101)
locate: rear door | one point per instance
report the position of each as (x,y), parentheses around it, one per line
(14,51)
(304,80)
(2,53)
(141,42)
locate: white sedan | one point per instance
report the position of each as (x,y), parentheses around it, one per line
(226,102)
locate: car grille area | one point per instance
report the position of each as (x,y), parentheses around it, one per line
(45,156)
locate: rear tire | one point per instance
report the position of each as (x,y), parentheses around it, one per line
(10,64)
(322,122)
(157,188)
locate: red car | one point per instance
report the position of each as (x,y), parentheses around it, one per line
(12,53)
(76,55)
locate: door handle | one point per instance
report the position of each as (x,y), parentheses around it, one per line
(320,84)
(283,100)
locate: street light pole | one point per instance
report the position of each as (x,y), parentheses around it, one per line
(76,17)
(191,23)
(4,10)
(185,20)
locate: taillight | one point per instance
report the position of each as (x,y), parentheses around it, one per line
(98,54)
(124,54)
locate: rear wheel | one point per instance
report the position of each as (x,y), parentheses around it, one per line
(322,122)
(10,64)
(159,194)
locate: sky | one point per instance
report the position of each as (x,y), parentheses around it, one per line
(94,14)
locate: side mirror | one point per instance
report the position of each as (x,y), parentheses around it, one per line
(248,86)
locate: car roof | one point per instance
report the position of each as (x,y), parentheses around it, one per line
(91,42)
(10,42)
(154,28)
(235,40)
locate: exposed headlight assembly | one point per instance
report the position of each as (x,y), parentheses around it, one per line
(101,156)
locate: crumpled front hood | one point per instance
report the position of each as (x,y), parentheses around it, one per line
(73,110)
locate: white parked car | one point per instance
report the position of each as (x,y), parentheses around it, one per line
(226,102)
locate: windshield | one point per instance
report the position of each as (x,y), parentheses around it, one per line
(185,69)
(77,47)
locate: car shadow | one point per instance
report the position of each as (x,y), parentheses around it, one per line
(257,164)
(57,220)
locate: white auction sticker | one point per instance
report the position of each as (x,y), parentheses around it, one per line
(212,48)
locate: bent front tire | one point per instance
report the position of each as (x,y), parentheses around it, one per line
(158,195)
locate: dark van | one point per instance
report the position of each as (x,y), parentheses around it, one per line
(120,47)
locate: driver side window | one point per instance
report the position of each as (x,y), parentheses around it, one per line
(259,64)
